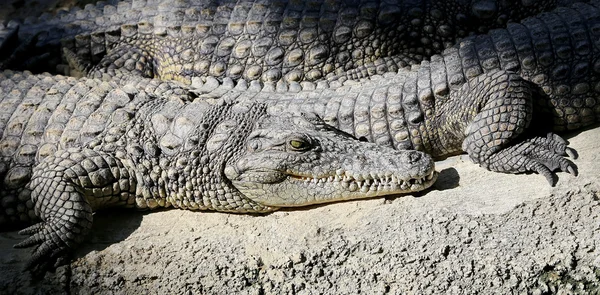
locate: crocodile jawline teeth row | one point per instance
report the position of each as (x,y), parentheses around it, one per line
(362,183)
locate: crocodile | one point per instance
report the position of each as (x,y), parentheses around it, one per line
(499,97)
(479,97)
(294,41)
(72,146)
(488,96)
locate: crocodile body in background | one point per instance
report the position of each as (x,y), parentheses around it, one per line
(267,41)
(489,96)
(552,60)
(70,147)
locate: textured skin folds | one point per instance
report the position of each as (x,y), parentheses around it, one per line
(70,147)
(291,41)
(479,97)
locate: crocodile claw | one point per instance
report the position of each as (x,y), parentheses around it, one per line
(542,155)
(51,250)
(549,155)
(545,166)
(544,171)
(572,171)
(571,153)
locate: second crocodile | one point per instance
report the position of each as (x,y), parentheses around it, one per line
(292,41)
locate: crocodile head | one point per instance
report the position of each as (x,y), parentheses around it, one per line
(299,160)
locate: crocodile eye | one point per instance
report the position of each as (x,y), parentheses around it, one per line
(299,144)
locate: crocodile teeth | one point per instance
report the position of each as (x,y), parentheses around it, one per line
(368,182)
(364,189)
(430,176)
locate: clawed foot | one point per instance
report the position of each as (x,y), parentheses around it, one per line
(543,155)
(52,241)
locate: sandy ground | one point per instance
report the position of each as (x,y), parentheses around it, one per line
(475,232)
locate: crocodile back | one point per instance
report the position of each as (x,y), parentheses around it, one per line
(295,40)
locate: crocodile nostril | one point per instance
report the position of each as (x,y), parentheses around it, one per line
(414,157)
(361,158)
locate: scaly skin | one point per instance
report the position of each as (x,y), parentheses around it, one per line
(268,41)
(434,109)
(479,97)
(70,147)
(493,96)
(547,32)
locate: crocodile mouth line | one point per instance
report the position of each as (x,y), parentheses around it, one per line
(366,183)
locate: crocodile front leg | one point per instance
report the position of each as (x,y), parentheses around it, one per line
(495,136)
(66,189)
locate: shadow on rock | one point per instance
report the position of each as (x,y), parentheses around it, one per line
(447,179)
(116,225)
(111,227)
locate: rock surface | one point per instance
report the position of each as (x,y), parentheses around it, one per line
(475,232)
